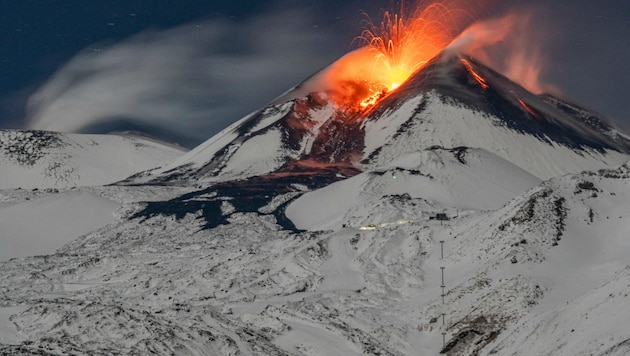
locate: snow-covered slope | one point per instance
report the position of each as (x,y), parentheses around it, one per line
(536,275)
(304,131)
(435,179)
(427,121)
(444,104)
(42,224)
(40,159)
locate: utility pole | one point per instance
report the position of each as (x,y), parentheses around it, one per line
(443,286)
(443,295)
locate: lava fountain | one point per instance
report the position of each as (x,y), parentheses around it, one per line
(389,52)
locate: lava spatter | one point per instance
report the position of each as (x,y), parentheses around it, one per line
(391,51)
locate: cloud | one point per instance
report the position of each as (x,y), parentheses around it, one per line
(189,81)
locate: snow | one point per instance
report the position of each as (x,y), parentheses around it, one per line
(271,115)
(318,117)
(341,272)
(38,159)
(262,290)
(8,332)
(482,182)
(312,339)
(259,149)
(261,154)
(201,154)
(41,225)
(451,126)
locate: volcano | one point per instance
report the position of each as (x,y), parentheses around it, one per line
(457,214)
(452,107)
(442,105)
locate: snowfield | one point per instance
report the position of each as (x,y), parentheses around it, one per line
(534,274)
(42,224)
(41,159)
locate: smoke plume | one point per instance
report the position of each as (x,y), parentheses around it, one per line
(188,81)
(513,45)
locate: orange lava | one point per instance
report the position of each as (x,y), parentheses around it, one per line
(391,52)
(474,74)
(528,109)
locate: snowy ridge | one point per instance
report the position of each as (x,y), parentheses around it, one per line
(39,159)
(260,143)
(443,179)
(427,121)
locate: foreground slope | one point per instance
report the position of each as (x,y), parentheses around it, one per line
(40,159)
(536,274)
(43,223)
(53,165)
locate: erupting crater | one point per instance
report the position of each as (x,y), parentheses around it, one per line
(390,52)
(403,42)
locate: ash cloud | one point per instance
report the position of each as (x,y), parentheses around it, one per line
(184,83)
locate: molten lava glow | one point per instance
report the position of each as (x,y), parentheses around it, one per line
(391,52)
(472,72)
(528,109)
(402,43)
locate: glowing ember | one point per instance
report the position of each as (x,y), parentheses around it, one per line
(474,74)
(392,51)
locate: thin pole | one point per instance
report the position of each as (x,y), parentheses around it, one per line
(442,249)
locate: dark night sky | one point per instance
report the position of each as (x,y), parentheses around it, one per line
(184,69)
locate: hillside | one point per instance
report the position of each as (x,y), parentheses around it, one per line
(41,159)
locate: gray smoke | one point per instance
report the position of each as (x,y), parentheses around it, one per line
(184,83)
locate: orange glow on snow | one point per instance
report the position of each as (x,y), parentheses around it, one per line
(391,52)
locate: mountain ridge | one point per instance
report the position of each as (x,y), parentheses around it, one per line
(299,123)
(45,159)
